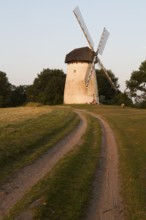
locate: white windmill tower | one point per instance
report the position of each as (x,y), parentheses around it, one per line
(81,83)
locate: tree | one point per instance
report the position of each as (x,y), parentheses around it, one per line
(106,92)
(18,95)
(122,98)
(5,90)
(48,87)
(137,85)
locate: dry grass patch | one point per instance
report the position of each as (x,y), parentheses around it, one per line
(13,115)
(27,132)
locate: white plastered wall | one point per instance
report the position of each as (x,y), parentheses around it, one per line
(75,90)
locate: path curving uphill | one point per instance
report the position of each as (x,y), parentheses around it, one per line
(106,202)
(19,184)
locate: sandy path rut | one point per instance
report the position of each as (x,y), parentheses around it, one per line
(19,184)
(105,204)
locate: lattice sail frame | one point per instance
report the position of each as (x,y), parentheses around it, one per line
(102,42)
(100,48)
(83,27)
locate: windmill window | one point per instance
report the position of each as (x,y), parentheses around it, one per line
(74,71)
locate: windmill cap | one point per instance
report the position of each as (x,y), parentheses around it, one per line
(83,54)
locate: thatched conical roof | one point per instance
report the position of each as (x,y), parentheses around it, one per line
(83,54)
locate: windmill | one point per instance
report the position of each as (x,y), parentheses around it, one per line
(81,82)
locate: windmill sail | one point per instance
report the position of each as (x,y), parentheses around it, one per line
(83,27)
(103,40)
(88,76)
(101,46)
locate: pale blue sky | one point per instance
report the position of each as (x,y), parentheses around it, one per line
(37,34)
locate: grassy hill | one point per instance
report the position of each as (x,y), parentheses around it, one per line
(25,133)
(129,126)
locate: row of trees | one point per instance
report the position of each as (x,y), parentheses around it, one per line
(48,88)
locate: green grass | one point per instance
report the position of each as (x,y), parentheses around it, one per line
(66,193)
(129,126)
(26,133)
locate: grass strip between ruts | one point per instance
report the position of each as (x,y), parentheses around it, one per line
(65,194)
(129,126)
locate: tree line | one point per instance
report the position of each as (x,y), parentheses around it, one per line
(48,89)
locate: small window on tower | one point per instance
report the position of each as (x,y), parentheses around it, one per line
(74,71)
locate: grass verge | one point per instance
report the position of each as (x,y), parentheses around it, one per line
(129,126)
(65,194)
(26,134)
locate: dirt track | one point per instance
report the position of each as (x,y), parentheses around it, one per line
(19,184)
(105,203)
